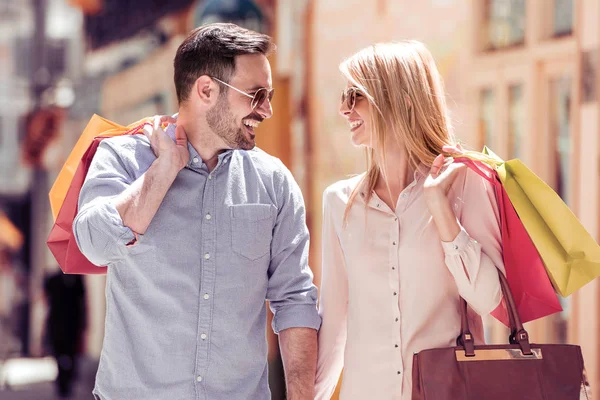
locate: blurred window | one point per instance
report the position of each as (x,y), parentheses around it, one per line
(560,134)
(516,120)
(487,101)
(563,17)
(505,23)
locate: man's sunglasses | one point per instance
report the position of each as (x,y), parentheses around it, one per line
(349,96)
(258,98)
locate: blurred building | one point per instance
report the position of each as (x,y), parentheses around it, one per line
(521,77)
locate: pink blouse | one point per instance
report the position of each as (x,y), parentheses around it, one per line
(391,288)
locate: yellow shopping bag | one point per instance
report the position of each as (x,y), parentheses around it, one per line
(97,126)
(570,255)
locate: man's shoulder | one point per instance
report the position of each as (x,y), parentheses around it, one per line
(127,143)
(132,147)
(264,161)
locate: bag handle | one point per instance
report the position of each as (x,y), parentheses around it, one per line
(518,333)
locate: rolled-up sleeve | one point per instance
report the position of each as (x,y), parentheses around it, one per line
(98,227)
(475,255)
(291,292)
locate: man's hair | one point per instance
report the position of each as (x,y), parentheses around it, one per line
(211,50)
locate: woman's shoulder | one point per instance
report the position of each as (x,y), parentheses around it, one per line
(341,190)
(344,187)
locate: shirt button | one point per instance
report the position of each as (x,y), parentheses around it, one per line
(203,336)
(207,256)
(195,160)
(209,177)
(199,378)
(208,217)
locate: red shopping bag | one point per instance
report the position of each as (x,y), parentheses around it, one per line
(61,240)
(528,280)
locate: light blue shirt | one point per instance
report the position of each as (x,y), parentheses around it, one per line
(185,306)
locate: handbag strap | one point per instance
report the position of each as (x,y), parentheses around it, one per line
(518,333)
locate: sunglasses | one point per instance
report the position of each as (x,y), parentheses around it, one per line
(258,98)
(349,96)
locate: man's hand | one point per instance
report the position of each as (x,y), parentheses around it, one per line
(173,153)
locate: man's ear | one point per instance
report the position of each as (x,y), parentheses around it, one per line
(206,89)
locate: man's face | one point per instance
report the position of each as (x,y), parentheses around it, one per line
(232,117)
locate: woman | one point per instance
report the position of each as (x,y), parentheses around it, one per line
(406,239)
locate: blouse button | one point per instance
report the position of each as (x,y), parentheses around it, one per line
(455,247)
(394,243)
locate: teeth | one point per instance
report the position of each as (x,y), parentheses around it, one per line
(355,124)
(251,123)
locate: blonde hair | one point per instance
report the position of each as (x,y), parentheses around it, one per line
(407,100)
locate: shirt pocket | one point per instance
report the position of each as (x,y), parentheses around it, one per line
(252,229)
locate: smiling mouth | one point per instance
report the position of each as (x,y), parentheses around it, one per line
(354,125)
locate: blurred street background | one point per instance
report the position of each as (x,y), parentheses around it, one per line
(521,76)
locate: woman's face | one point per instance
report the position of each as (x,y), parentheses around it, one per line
(357,115)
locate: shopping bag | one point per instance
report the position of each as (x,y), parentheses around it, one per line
(97,126)
(532,290)
(570,254)
(61,240)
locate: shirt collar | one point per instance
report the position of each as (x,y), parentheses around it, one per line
(420,172)
(223,156)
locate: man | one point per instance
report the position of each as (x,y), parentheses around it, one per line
(197,233)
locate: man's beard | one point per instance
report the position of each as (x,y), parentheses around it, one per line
(222,122)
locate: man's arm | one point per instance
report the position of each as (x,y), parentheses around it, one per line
(112,208)
(139,203)
(299,354)
(291,293)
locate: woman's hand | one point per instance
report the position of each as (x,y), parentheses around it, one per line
(441,176)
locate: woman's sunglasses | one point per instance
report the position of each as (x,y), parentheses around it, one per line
(349,97)
(258,98)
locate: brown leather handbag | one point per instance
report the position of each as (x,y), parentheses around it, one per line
(519,370)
